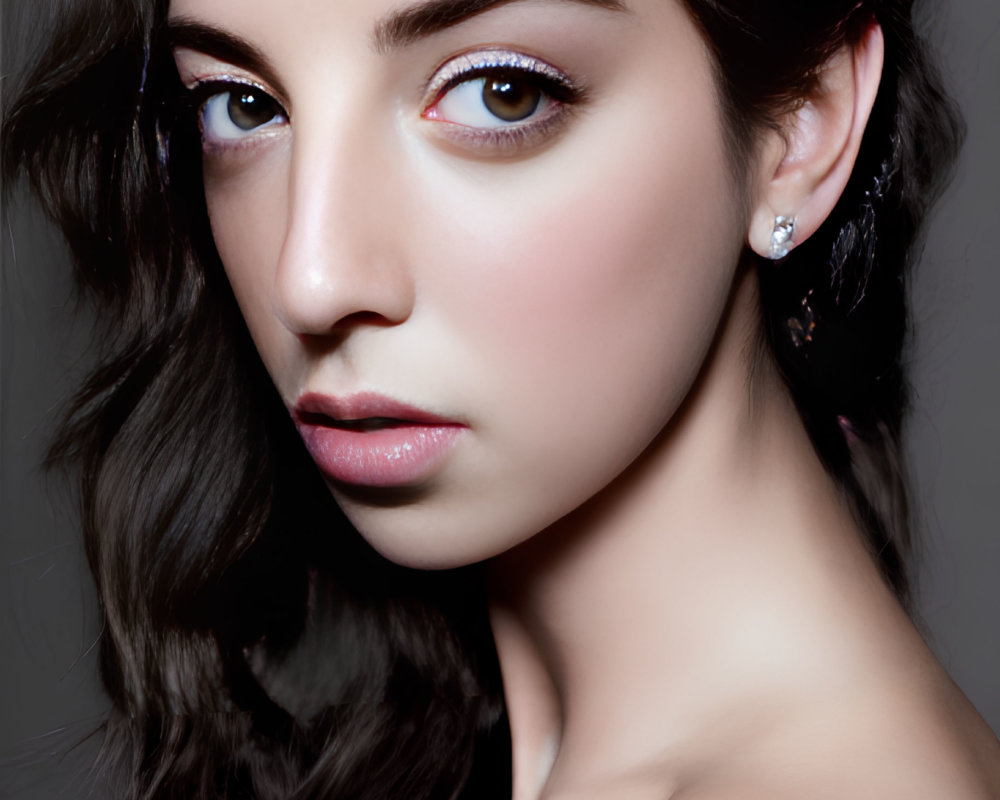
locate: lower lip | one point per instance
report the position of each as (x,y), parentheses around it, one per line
(401,455)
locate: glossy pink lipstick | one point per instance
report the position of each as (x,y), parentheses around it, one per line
(370,440)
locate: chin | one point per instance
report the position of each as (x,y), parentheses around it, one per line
(417,535)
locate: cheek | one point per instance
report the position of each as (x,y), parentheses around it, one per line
(579,312)
(603,286)
(248,209)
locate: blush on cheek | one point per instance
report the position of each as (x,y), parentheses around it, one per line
(595,302)
(579,263)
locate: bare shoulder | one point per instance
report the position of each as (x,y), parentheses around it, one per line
(909,741)
(820,784)
(860,768)
(882,751)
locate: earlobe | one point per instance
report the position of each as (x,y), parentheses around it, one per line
(807,166)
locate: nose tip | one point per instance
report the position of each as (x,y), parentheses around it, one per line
(340,264)
(324,293)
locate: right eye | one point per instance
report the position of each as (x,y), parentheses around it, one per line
(237,112)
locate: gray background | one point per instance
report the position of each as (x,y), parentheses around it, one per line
(49,694)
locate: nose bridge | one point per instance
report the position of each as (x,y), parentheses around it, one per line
(341,260)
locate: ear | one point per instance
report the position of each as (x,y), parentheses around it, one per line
(805,168)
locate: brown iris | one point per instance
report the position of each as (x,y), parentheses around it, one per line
(249,109)
(511,97)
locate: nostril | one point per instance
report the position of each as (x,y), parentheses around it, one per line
(363,318)
(321,342)
(337,331)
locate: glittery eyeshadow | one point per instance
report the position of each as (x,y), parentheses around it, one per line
(460,66)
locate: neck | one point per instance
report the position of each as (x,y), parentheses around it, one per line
(715,579)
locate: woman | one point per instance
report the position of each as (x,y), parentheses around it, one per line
(563,286)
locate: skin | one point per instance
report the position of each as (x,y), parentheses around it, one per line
(683,605)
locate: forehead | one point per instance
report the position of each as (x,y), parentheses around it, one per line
(388,22)
(305,44)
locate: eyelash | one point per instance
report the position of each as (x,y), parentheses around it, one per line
(559,91)
(205,92)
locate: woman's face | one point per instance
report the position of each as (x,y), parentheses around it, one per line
(484,261)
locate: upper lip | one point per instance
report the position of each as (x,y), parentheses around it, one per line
(312,407)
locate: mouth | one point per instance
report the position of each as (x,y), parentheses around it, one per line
(372,440)
(363,425)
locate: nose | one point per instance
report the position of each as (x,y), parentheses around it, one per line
(342,262)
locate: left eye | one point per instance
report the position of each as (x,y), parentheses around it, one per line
(238,112)
(499,100)
(492,101)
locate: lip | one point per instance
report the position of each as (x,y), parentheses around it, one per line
(368,439)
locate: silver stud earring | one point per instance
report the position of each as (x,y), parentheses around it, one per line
(781,237)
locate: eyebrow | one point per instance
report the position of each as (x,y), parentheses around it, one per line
(394,31)
(406,26)
(223,45)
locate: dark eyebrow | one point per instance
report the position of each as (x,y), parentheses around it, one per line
(225,46)
(403,27)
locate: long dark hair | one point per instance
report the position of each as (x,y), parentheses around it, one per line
(254,645)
